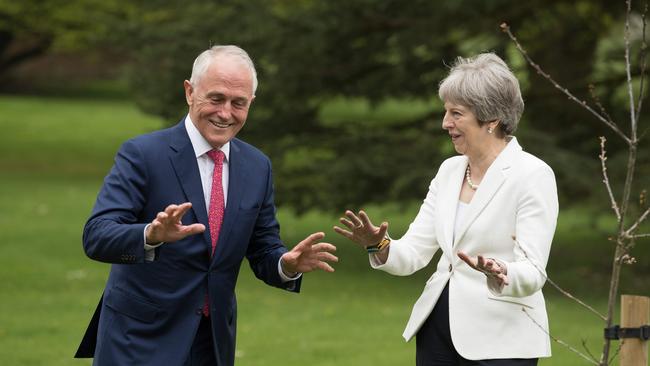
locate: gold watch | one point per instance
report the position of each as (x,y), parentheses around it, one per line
(385,242)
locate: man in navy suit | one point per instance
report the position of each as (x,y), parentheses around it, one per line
(177,214)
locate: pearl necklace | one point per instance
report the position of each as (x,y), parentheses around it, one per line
(469,179)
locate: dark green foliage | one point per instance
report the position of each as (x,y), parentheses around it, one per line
(30,28)
(311,54)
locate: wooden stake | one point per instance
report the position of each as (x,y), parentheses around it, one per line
(635,312)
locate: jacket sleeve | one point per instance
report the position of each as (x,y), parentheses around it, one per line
(537,211)
(113,234)
(415,249)
(265,247)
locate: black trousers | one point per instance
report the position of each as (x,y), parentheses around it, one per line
(434,346)
(202,351)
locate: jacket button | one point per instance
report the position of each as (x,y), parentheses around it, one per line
(450,268)
(199,311)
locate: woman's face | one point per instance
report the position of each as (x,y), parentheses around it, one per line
(463,127)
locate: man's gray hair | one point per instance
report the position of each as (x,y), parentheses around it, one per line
(205,59)
(486,85)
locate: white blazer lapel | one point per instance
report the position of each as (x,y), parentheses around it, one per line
(449,197)
(492,181)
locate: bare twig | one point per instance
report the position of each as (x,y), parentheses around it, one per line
(621,247)
(603,159)
(592,91)
(642,197)
(618,350)
(563,291)
(559,341)
(642,135)
(570,296)
(628,71)
(638,222)
(584,345)
(644,47)
(624,238)
(613,126)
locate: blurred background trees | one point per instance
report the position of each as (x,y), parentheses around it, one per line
(347,105)
(348,112)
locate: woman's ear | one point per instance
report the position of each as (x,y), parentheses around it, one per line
(492,126)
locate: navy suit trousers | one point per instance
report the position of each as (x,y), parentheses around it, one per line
(202,351)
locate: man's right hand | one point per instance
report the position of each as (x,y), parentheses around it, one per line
(167,226)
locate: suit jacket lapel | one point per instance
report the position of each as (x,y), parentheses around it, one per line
(492,181)
(236,181)
(184,162)
(449,203)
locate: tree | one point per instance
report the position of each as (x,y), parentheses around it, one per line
(629,223)
(30,28)
(310,53)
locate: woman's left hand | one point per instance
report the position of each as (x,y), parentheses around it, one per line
(489,266)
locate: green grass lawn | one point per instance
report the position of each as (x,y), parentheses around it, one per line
(53,156)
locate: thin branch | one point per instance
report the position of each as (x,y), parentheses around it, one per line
(642,135)
(590,360)
(636,236)
(638,222)
(603,159)
(584,345)
(621,248)
(644,47)
(618,350)
(592,91)
(564,292)
(505,28)
(569,295)
(629,73)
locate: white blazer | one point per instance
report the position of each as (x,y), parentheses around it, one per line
(517,197)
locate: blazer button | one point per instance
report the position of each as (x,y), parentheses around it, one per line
(450,268)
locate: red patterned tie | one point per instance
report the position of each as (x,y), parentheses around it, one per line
(215,212)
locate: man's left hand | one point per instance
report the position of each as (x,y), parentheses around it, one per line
(309,255)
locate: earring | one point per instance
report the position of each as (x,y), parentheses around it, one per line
(489,129)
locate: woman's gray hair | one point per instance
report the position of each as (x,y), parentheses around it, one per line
(486,85)
(205,59)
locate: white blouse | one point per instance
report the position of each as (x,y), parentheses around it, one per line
(461,212)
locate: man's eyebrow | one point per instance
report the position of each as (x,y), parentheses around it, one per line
(219,94)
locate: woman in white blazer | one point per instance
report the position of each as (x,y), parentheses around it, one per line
(492,211)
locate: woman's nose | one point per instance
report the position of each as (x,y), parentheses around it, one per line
(446,123)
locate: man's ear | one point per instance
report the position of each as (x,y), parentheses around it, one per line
(189,90)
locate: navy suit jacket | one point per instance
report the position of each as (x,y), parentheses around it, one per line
(150,311)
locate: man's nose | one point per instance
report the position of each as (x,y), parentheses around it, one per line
(225,112)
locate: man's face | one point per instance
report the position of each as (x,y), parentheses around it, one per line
(220,99)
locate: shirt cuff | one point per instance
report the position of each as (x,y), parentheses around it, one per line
(283,276)
(149,249)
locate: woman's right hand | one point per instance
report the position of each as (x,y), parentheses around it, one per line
(361,230)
